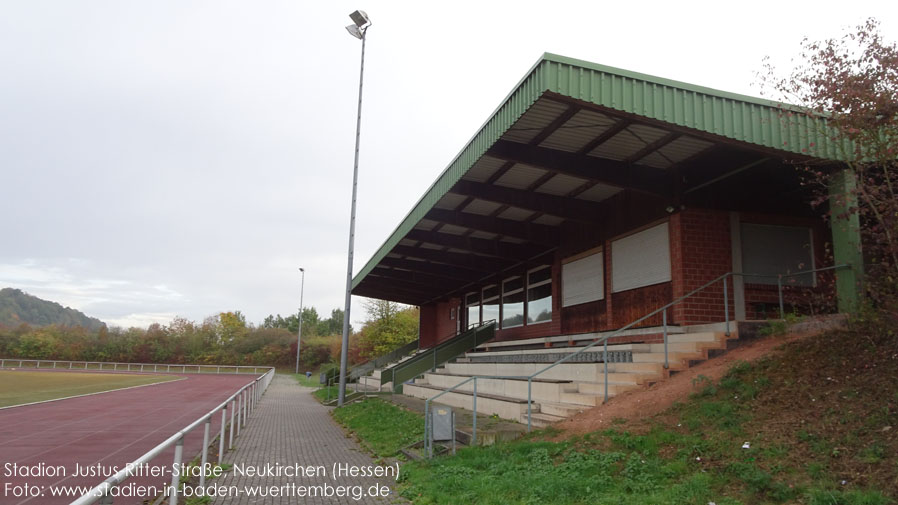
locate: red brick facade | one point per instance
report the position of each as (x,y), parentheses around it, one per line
(701,245)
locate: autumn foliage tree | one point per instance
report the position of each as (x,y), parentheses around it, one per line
(852,81)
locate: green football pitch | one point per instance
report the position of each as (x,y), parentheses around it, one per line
(18,387)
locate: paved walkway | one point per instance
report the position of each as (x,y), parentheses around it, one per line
(290,429)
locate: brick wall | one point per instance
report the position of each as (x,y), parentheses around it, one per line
(701,250)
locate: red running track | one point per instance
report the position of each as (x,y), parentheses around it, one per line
(108,429)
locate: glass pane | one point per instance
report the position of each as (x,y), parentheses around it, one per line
(539,304)
(513,310)
(540,275)
(491,292)
(473,315)
(491,310)
(472,299)
(513,284)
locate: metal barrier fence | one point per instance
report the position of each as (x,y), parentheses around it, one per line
(604,342)
(130,367)
(238,406)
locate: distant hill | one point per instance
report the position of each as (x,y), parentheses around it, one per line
(17,307)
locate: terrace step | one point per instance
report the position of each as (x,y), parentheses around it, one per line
(541,420)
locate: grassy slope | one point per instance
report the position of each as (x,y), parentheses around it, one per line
(820,420)
(18,387)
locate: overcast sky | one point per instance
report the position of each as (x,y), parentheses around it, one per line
(187,157)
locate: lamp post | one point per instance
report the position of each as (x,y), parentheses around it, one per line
(302,287)
(360,26)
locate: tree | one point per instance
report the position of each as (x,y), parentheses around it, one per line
(852,81)
(389,325)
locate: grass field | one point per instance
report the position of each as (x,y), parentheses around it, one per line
(19,387)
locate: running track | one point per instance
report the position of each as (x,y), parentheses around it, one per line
(111,429)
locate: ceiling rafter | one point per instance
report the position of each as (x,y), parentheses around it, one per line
(577,210)
(602,170)
(494,248)
(530,232)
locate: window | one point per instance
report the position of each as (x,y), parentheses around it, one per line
(641,259)
(513,302)
(539,295)
(583,280)
(490,304)
(472,308)
(774,250)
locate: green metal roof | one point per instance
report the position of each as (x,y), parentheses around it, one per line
(742,118)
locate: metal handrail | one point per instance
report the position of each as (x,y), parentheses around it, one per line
(132,367)
(473,330)
(604,341)
(243,402)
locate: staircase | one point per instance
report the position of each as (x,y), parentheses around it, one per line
(570,387)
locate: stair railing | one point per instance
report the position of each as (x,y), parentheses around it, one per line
(604,341)
(472,334)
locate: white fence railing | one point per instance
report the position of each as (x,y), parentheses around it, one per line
(129,367)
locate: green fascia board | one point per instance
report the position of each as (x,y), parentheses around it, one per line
(742,118)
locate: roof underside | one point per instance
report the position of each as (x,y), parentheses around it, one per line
(570,136)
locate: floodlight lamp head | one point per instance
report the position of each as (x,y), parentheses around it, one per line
(301,269)
(360,19)
(354,31)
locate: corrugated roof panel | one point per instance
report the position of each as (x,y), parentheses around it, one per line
(655,160)
(481,207)
(483,234)
(599,192)
(511,240)
(408,242)
(453,230)
(647,134)
(432,247)
(546,219)
(684,147)
(450,201)
(516,214)
(520,176)
(425,224)
(618,147)
(534,120)
(561,184)
(578,131)
(485,167)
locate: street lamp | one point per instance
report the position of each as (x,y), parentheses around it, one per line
(360,26)
(302,288)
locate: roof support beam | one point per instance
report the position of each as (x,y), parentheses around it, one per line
(654,146)
(605,171)
(419,277)
(472,261)
(536,233)
(391,280)
(433,269)
(576,210)
(494,248)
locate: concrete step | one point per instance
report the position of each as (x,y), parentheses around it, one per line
(551,350)
(560,409)
(676,360)
(588,399)
(541,390)
(540,420)
(595,388)
(582,372)
(506,408)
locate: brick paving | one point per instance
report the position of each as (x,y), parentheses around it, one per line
(289,427)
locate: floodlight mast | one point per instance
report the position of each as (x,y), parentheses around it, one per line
(357,30)
(299,333)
